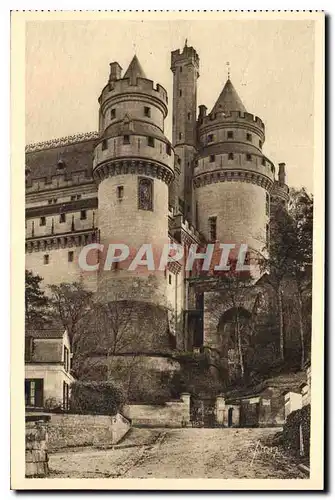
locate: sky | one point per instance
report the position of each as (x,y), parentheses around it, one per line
(271,66)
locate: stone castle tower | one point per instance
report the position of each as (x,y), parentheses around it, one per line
(127,184)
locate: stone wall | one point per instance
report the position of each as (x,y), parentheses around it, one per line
(171,414)
(67,430)
(36,446)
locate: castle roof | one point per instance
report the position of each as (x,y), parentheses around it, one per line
(228,100)
(134,70)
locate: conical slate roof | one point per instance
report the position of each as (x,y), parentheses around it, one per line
(228,100)
(134,70)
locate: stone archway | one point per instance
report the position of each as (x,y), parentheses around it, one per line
(231,327)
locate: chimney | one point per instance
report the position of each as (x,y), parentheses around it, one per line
(202,111)
(115,71)
(281,174)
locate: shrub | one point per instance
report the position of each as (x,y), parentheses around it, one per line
(291,430)
(100,398)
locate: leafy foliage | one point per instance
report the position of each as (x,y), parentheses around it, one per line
(102,398)
(36,302)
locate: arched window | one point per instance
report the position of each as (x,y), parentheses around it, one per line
(145,194)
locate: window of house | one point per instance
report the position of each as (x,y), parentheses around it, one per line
(230,156)
(113,113)
(249,137)
(62,218)
(66,359)
(104,144)
(168,149)
(210,138)
(66,399)
(120,191)
(230,134)
(33,390)
(248,156)
(151,142)
(147,111)
(180,93)
(170,279)
(212,158)
(46,259)
(83,215)
(126,139)
(212,228)
(145,194)
(70,256)
(42,221)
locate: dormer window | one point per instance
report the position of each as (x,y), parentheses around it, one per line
(147,111)
(126,139)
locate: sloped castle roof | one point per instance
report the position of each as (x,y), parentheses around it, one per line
(228,100)
(134,70)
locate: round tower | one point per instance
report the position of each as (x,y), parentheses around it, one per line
(133,165)
(232,177)
(280,190)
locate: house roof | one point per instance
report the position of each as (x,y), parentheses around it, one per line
(134,70)
(228,100)
(51,333)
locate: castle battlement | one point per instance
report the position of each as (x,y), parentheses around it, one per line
(187,53)
(61,141)
(142,86)
(232,116)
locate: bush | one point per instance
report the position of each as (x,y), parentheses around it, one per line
(291,430)
(100,398)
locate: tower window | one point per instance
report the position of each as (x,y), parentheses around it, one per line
(120,191)
(168,149)
(46,259)
(181,69)
(62,218)
(42,221)
(249,137)
(267,204)
(210,138)
(170,279)
(188,116)
(70,256)
(212,158)
(73,197)
(260,143)
(83,215)
(104,144)
(78,196)
(145,194)
(263,161)
(151,142)
(248,157)
(50,202)
(113,113)
(180,93)
(126,139)
(230,156)
(230,134)
(147,111)
(212,228)
(180,136)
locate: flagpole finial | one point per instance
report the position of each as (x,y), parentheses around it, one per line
(185,42)
(228,69)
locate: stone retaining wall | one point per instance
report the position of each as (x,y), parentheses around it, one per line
(170,414)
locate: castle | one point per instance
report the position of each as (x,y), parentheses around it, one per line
(128,183)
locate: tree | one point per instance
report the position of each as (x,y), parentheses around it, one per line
(70,303)
(36,302)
